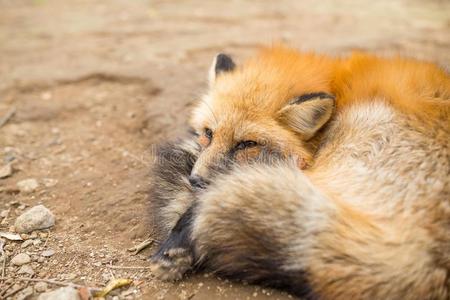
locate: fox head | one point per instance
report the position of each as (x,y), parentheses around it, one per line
(276,101)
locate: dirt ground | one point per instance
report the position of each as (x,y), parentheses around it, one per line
(95,85)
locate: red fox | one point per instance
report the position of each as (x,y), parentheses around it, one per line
(357,203)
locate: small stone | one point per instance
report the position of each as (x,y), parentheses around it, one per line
(37,242)
(25,236)
(49,182)
(70,276)
(26,244)
(40,287)
(6,171)
(37,217)
(27,185)
(4,213)
(21,259)
(66,293)
(9,247)
(40,259)
(48,253)
(26,269)
(46,96)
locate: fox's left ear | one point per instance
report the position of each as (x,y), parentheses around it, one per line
(221,63)
(308,113)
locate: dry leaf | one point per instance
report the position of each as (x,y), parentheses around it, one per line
(112,285)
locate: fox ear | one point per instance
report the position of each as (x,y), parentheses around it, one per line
(308,113)
(221,63)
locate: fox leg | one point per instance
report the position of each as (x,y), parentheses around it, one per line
(281,231)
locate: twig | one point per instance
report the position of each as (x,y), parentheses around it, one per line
(46,240)
(127,267)
(6,289)
(4,266)
(2,243)
(71,262)
(141,246)
(49,281)
(14,291)
(7,116)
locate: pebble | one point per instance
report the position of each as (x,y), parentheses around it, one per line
(21,259)
(49,182)
(37,217)
(27,185)
(6,171)
(26,269)
(40,259)
(70,276)
(48,253)
(40,287)
(4,213)
(66,293)
(26,244)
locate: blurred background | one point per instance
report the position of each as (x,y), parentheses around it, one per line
(88,87)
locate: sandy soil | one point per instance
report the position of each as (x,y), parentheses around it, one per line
(96,84)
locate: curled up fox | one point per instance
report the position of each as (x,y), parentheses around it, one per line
(325,177)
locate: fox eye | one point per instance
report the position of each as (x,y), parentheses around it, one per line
(208,133)
(245,144)
(205,138)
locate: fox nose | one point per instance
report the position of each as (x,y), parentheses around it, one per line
(197,182)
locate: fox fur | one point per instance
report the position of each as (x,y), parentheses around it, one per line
(366,212)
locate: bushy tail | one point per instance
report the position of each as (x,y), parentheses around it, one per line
(272,226)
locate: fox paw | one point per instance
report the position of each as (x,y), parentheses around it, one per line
(171,264)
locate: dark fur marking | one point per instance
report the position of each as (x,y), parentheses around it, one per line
(224,63)
(180,236)
(259,263)
(262,268)
(176,254)
(173,164)
(311,96)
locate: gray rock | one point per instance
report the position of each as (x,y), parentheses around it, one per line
(26,244)
(64,293)
(48,253)
(37,217)
(40,287)
(49,182)
(27,185)
(26,269)
(21,259)
(6,171)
